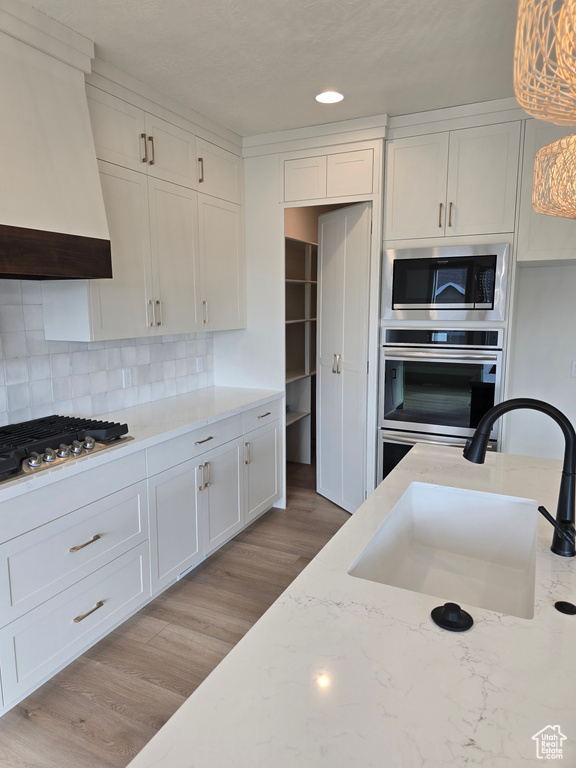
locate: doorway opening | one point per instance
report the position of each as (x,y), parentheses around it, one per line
(301,301)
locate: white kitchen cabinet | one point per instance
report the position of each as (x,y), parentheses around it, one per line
(220,493)
(262,450)
(325,176)
(155,284)
(222,264)
(542,238)
(344,261)
(455,183)
(132,138)
(219,172)
(176,542)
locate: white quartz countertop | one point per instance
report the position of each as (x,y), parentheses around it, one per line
(344,672)
(147,425)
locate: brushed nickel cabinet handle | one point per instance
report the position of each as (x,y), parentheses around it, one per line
(450,215)
(78,619)
(153,158)
(207,483)
(86,543)
(440,216)
(201,162)
(145,158)
(248,452)
(159,305)
(333,363)
(205,311)
(263,416)
(199,442)
(201,486)
(338,358)
(151,304)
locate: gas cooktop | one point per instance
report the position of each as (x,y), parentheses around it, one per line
(30,446)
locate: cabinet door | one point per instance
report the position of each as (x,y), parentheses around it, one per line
(119,305)
(542,238)
(262,463)
(175,539)
(482,179)
(221,248)
(350,173)
(344,260)
(171,152)
(173,232)
(305,178)
(221,494)
(219,172)
(117,127)
(416,170)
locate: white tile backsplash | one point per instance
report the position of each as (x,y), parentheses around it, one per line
(39,377)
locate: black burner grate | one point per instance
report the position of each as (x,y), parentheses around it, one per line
(19,440)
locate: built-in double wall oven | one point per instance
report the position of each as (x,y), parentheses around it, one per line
(435,386)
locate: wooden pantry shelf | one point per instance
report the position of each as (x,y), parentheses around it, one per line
(293,416)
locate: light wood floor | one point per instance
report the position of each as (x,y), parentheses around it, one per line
(103,708)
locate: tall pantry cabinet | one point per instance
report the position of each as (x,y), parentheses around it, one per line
(176,230)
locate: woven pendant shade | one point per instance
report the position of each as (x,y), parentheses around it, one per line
(554,187)
(545,60)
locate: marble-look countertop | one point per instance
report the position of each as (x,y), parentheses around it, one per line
(147,425)
(343,672)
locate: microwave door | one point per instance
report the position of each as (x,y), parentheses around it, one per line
(434,284)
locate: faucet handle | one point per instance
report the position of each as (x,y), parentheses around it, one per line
(566,533)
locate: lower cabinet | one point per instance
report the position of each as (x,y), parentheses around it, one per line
(175,541)
(262,469)
(220,494)
(98,545)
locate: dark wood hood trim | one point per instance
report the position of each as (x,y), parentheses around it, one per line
(33,254)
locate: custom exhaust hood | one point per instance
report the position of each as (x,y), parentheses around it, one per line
(52,218)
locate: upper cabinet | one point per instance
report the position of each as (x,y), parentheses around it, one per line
(219,172)
(542,238)
(454,183)
(326,176)
(128,136)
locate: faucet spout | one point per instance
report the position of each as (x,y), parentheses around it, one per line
(475,451)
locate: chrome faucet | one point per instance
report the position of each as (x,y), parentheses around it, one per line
(564,525)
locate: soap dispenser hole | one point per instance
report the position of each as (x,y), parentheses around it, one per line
(564,607)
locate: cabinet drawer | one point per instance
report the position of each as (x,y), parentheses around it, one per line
(262,415)
(179,449)
(51,558)
(35,646)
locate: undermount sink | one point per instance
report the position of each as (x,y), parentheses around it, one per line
(459,545)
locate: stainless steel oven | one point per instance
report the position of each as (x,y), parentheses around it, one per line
(449,283)
(439,381)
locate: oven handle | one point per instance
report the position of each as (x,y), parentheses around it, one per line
(395,353)
(414,441)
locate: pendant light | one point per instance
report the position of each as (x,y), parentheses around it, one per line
(554,186)
(545,60)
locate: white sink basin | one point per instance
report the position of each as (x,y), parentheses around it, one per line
(458,545)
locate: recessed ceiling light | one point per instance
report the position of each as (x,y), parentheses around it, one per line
(329,97)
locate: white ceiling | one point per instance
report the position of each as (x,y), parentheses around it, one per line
(254,66)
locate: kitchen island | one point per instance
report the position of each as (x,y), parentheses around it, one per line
(342,671)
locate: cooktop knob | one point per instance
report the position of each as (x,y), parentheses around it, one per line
(49,455)
(89,443)
(63,451)
(35,459)
(76,447)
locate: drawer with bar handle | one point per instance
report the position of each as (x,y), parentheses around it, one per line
(179,449)
(54,556)
(263,414)
(42,641)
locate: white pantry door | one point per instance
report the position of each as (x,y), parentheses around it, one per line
(344,270)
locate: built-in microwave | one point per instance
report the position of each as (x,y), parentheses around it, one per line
(445,283)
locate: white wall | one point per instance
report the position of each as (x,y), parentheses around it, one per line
(543,347)
(255,357)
